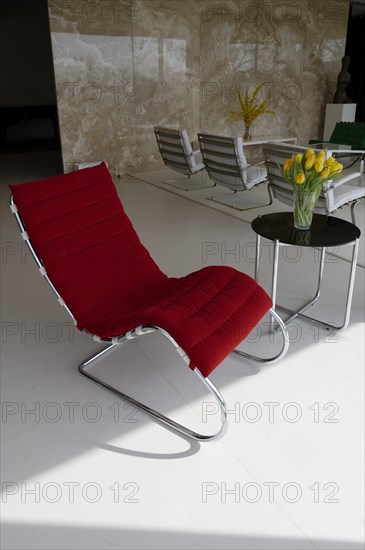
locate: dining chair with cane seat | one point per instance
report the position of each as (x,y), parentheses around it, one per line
(226,164)
(121,294)
(178,155)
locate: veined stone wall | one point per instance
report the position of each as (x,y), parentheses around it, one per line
(124,66)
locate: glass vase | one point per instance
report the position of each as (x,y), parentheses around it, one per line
(304,203)
(247,136)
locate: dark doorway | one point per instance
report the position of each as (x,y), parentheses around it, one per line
(29,129)
(355,47)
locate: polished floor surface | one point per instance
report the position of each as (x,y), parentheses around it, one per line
(82,470)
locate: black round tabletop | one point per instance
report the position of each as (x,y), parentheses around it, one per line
(325,230)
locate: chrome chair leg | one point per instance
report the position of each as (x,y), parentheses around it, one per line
(185,186)
(232,201)
(352,208)
(283,350)
(179,428)
(274,279)
(83,368)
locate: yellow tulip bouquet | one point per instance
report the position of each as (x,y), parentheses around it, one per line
(307,174)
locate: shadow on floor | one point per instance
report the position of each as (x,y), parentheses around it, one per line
(19,536)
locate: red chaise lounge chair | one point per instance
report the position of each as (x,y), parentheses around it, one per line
(122,293)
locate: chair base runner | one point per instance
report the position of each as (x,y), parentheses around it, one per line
(234,200)
(155,414)
(144,329)
(187,184)
(282,352)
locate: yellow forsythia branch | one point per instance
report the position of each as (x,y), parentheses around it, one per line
(249,109)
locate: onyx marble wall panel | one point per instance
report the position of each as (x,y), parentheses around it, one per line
(93,59)
(124,66)
(166,70)
(294,47)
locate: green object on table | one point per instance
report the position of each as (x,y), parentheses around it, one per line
(346,133)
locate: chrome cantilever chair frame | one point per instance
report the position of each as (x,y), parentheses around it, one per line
(177,154)
(226,165)
(140,331)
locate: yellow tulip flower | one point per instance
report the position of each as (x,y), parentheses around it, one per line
(309,170)
(325,173)
(288,164)
(300,178)
(309,162)
(309,153)
(318,166)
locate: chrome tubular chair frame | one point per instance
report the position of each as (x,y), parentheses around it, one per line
(139,331)
(352,209)
(234,199)
(177,154)
(226,164)
(273,317)
(145,329)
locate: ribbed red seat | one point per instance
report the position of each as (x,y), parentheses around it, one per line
(111,284)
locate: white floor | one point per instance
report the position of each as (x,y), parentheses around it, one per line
(84,471)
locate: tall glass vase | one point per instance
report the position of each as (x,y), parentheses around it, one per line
(247,136)
(304,203)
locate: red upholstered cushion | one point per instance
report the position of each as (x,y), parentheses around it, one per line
(111,284)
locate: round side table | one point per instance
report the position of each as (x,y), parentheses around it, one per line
(325,231)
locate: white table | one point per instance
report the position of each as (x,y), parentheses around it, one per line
(260,140)
(257,154)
